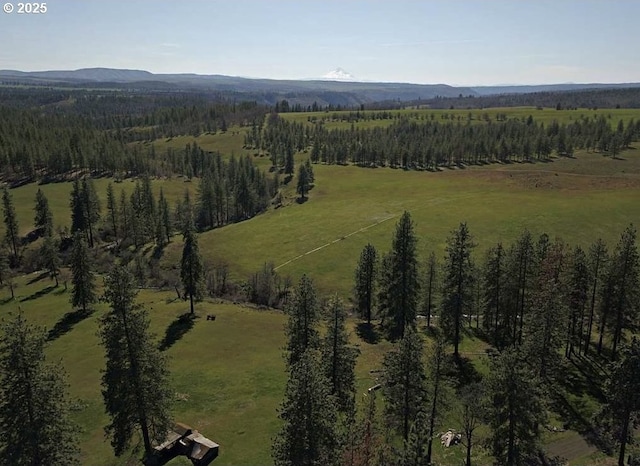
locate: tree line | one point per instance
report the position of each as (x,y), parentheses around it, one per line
(429,144)
(86,131)
(530,300)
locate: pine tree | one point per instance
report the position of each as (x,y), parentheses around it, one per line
(79,214)
(578,295)
(288,162)
(4,266)
(414,453)
(191,270)
(626,299)
(310,174)
(367,439)
(457,284)
(430,287)
(303,182)
(365,282)
(403,384)
(165,216)
(308,436)
(84,289)
(495,318)
(437,387)
(339,358)
(34,409)
(400,285)
(515,411)
(112,210)
(546,324)
(92,207)
(303,315)
(520,273)
(43,220)
(598,258)
(11,235)
(50,257)
(135,382)
(623,396)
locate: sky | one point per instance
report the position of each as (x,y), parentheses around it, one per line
(456,42)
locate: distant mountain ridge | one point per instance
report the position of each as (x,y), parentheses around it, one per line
(337,88)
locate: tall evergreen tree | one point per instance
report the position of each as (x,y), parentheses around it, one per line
(79,214)
(308,436)
(288,162)
(83,292)
(135,382)
(165,216)
(92,207)
(11,235)
(303,182)
(191,270)
(401,284)
(598,258)
(365,282)
(404,386)
(112,210)
(515,411)
(457,286)
(414,453)
(626,299)
(339,358)
(43,220)
(520,274)
(310,173)
(623,396)
(367,439)
(578,295)
(496,319)
(50,257)
(34,409)
(4,266)
(436,368)
(303,315)
(546,324)
(430,287)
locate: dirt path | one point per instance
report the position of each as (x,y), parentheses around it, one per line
(336,240)
(427,204)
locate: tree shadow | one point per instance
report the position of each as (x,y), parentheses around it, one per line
(573,419)
(582,378)
(37,278)
(368,333)
(462,370)
(39,294)
(158,251)
(302,200)
(67,322)
(176,330)
(6,300)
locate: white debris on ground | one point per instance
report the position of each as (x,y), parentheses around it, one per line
(450,437)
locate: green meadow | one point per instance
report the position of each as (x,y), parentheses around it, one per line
(229,374)
(338,120)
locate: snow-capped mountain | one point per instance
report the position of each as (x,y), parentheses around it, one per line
(339,75)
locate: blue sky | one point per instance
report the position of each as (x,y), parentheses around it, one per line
(458,42)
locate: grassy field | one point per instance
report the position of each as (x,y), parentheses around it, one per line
(546,115)
(228,375)
(577,199)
